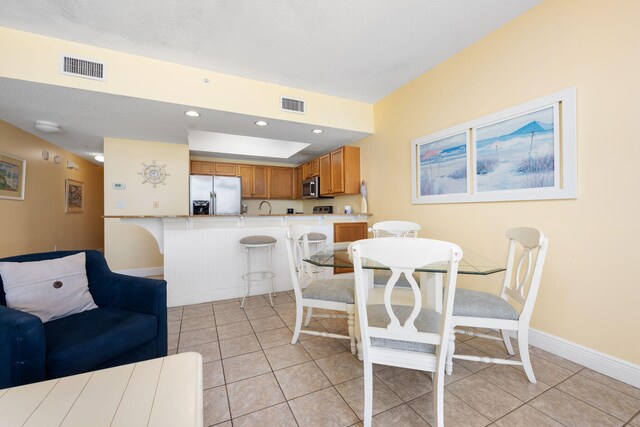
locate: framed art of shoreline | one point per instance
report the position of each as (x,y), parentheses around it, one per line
(527,152)
(12,177)
(74,196)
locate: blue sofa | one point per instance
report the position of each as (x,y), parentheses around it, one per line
(129,325)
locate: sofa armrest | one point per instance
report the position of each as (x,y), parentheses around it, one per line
(22,348)
(138,294)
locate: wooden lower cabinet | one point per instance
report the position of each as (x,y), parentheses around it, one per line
(349,232)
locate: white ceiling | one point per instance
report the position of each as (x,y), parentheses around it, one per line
(356,49)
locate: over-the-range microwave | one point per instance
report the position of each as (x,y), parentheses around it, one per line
(311,188)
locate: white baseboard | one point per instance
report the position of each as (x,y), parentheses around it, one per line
(606,364)
(142,272)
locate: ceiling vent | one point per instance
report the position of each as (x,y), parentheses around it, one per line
(82,67)
(292,105)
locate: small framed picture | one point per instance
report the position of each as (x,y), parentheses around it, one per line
(74,196)
(12,177)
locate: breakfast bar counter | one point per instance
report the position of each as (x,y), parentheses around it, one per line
(202,256)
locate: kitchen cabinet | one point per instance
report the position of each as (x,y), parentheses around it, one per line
(311,169)
(224,169)
(280,182)
(201,168)
(254,181)
(325,175)
(298,176)
(340,172)
(349,232)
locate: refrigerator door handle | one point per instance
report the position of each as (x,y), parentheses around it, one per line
(212,203)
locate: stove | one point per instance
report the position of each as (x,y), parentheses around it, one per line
(323,210)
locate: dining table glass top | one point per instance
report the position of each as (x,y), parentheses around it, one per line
(337,255)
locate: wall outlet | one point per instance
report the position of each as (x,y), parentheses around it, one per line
(156,204)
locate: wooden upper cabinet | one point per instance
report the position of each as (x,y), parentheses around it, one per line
(315,167)
(225,169)
(298,176)
(306,170)
(311,169)
(245,172)
(325,175)
(201,168)
(260,190)
(280,182)
(340,171)
(337,171)
(351,168)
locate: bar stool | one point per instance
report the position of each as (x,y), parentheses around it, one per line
(317,240)
(267,244)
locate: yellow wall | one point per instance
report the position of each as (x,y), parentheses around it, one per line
(589,292)
(39,222)
(27,56)
(128,246)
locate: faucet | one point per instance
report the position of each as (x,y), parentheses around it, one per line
(268,204)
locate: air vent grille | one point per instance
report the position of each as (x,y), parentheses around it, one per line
(292,105)
(82,68)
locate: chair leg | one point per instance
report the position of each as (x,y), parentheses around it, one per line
(296,331)
(352,329)
(309,315)
(507,342)
(368,393)
(438,397)
(451,350)
(523,346)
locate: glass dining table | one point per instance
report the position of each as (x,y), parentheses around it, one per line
(431,276)
(337,255)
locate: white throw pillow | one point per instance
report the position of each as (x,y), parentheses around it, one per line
(49,289)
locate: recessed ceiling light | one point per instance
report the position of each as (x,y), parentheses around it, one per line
(261,123)
(317,131)
(99,158)
(192,113)
(47,127)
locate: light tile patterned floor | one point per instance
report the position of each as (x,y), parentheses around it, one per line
(254,376)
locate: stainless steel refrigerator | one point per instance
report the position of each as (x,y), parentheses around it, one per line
(214,195)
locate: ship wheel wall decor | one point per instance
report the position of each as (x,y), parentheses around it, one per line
(153,174)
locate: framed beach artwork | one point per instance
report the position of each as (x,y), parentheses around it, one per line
(527,152)
(443,164)
(12,177)
(74,196)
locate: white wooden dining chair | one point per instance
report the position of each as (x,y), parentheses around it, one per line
(484,310)
(395,229)
(329,294)
(399,335)
(392,229)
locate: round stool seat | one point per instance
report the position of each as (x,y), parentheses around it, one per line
(257,240)
(315,237)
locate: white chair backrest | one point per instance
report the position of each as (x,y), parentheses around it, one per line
(403,256)
(395,229)
(522,278)
(296,252)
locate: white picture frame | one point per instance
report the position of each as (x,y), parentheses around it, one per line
(535,154)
